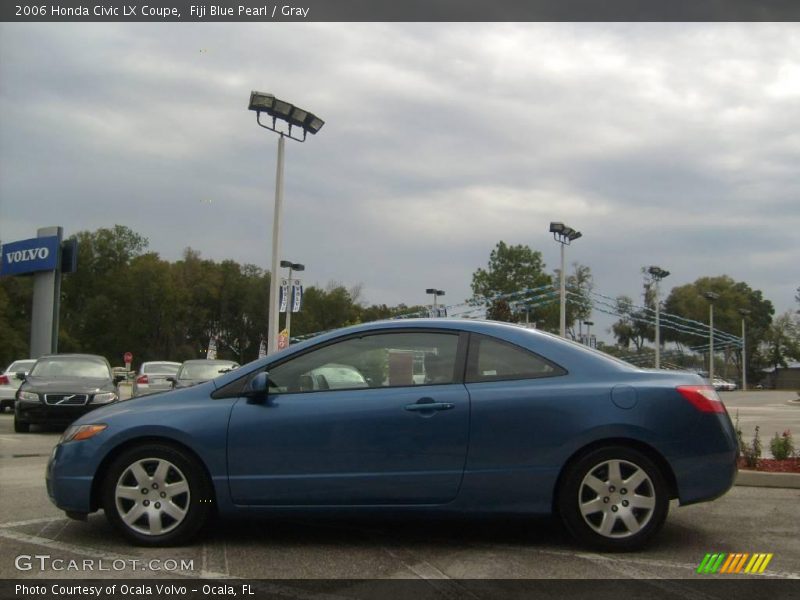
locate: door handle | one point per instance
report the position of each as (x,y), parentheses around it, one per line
(427,406)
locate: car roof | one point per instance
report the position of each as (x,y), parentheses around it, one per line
(212,361)
(75,355)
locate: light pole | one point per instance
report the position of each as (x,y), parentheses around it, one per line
(289,301)
(657,273)
(711,297)
(744,312)
(563,235)
(436,293)
(295,117)
(588,332)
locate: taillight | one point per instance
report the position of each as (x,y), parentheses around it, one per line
(4,380)
(142,379)
(703,397)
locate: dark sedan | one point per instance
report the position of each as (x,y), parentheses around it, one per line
(61,387)
(511,421)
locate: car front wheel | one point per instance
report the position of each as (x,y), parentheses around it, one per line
(613,499)
(157,495)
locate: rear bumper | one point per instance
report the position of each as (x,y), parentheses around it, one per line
(707,466)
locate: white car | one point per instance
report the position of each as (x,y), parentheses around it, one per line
(9,384)
(153,377)
(723,385)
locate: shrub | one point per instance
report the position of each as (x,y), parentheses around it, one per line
(782,446)
(750,452)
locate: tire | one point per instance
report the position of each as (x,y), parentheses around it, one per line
(157,495)
(21,426)
(613,499)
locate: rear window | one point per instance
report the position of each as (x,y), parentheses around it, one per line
(491,359)
(161,368)
(205,371)
(20,365)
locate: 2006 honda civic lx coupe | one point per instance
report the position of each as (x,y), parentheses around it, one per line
(445,415)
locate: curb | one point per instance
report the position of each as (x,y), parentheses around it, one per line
(771,480)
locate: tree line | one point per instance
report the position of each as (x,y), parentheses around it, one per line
(771,341)
(124,298)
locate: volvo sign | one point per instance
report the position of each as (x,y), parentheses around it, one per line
(30,256)
(41,258)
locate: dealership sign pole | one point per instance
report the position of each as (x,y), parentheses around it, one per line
(40,256)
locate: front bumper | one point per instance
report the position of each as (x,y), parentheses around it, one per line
(69,478)
(39,413)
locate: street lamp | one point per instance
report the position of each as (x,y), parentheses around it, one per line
(296,118)
(287,264)
(563,235)
(657,273)
(436,293)
(711,297)
(744,312)
(588,331)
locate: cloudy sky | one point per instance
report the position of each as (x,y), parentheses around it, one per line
(668,144)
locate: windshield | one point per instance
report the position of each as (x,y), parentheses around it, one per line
(204,371)
(61,366)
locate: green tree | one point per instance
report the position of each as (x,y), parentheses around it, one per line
(95,300)
(510,269)
(688,302)
(782,341)
(325,309)
(16,295)
(632,327)
(197,284)
(500,311)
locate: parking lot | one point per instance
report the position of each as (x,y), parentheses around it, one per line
(747,519)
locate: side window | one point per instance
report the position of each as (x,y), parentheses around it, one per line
(494,360)
(371,361)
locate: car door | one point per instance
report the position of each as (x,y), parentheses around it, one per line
(368,420)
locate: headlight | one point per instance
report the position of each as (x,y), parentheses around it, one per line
(76,433)
(28,396)
(104,398)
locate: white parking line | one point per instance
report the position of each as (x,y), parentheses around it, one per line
(31,522)
(215,559)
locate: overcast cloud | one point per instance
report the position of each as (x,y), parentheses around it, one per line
(668,144)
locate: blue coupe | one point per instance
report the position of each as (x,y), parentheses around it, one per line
(457,416)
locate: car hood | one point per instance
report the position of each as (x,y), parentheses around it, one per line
(74,385)
(161,400)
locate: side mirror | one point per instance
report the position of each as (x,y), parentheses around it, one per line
(21,375)
(257,387)
(172,380)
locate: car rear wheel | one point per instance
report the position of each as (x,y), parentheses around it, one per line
(613,498)
(21,426)
(157,495)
